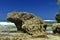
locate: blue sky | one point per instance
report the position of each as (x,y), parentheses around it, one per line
(46,9)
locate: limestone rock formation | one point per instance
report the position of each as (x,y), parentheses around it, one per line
(19,18)
(56,28)
(57,17)
(28,23)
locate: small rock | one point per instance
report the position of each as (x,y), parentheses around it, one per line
(56,28)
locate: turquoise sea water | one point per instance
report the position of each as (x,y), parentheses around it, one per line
(6,25)
(47,21)
(4,21)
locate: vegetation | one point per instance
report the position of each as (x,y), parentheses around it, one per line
(58,1)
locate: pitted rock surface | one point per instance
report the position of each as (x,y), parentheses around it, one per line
(56,28)
(28,23)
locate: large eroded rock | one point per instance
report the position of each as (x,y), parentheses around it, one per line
(19,18)
(28,23)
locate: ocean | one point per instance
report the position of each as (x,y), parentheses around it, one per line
(7,26)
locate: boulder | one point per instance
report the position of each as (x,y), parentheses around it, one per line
(28,23)
(57,17)
(56,28)
(19,18)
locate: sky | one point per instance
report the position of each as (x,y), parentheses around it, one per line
(46,9)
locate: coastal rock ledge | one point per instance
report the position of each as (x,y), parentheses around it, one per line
(28,23)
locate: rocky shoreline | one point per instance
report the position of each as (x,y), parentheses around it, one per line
(24,36)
